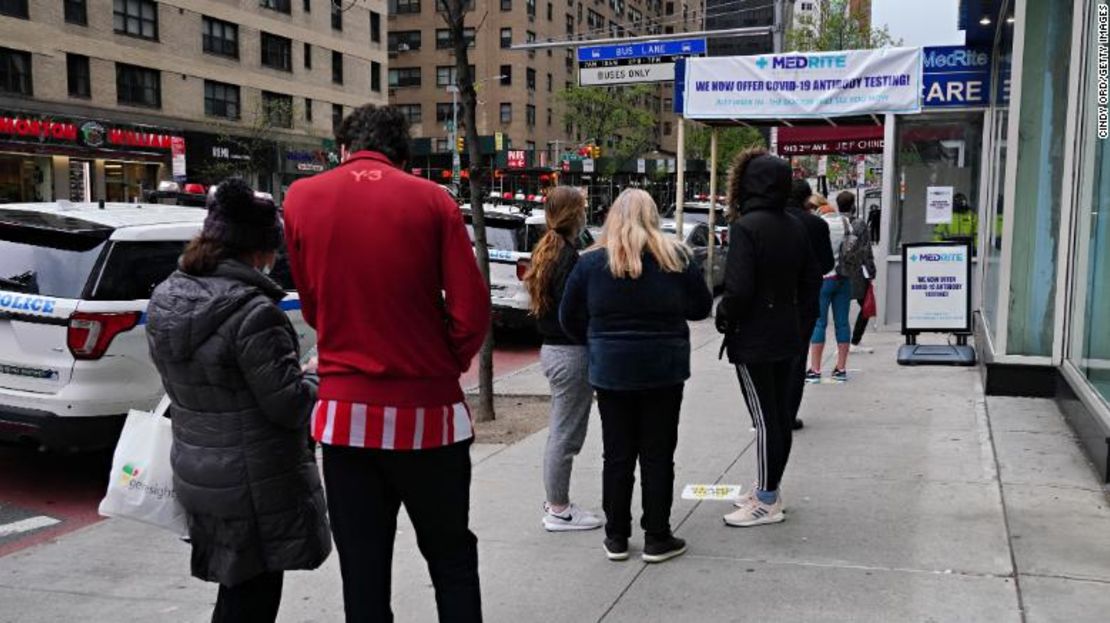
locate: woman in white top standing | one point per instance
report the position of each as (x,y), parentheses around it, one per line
(836,294)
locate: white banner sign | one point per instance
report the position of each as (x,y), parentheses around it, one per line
(810,84)
(938,205)
(937,287)
(641,166)
(587,165)
(626,74)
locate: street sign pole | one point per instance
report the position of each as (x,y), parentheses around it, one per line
(456,160)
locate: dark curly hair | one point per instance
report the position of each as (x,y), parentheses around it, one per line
(736,178)
(383,129)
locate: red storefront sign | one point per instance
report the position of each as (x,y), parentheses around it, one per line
(79,132)
(824,141)
(516,159)
(38,128)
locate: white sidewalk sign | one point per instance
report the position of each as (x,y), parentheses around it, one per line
(937,287)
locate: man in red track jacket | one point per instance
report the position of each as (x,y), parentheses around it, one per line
(386,275)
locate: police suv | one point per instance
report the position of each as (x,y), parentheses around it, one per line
(75,280)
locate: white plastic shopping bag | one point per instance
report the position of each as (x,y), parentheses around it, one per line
(140,486)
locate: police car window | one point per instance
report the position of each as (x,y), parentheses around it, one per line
(500,236)
(133,269)
(281,272)
(699,237)
(535,232)
(45,262)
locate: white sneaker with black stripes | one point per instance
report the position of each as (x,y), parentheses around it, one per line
(572,518)
(755,513)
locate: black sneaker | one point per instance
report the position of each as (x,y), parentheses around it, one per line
(662,551)
(798,424)
(616,548)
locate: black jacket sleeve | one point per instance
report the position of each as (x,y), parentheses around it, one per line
(810,279)
(739,276)
(267,355)
(826,259)
(699,300)
(573,311)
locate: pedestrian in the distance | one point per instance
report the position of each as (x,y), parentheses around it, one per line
(862,275)
(770,271)
(837,290)
(387,277)
(244,466)
(629,301)
(817,232)
(564,363)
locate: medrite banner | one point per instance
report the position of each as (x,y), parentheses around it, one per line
(804,84)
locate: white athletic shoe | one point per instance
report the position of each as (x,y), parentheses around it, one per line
(572,518)
(756,513)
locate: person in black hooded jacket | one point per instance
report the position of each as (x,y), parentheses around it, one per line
(817,230)
(243,467)
(770,272)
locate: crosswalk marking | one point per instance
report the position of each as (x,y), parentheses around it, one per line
(27,525)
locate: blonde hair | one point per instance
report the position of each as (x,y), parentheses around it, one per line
(633,226)
(816,202)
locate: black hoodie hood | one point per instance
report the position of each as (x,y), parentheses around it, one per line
(186,310)
(765,185)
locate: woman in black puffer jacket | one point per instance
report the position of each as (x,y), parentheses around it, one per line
(228,357)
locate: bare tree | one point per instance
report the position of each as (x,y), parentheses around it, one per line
(454,14)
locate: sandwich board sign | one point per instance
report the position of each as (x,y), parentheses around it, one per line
(634,63)
(936,298)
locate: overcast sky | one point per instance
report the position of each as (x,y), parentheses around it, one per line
(919,22)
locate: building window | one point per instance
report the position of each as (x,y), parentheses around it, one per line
(530,146)
(549,117)
(77,12)
(14,8)
(550,12)
(506,38)
(15,72)
(444,113)
(308,56)
(138,86)
(468,7)
(412,113)
(220,37)
(402,7)
(570,24)
(336,17)
(530,115)
(403,41)
(307,6)
(375,27)
(506,5)
(443,38)
(337,67)
(78,75)
(281,6)
(404,77)
(221,100)
(530,6)
(336,116)
(278,109)
(550,83)
(667,128)
(277,52)
(375,76)
(447,75)
(307,105)
(506,75)
(137,18)
(530,36)
(530,79)
(506,113)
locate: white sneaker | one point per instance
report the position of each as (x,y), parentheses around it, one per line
(859,348)
(756,513)
(572,518)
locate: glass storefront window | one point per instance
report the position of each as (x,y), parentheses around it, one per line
(996,196)
(125,181)
(1038,194)
(1090,313)
(941,149)
(25,178)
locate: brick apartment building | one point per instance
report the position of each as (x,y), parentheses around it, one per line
(94,94)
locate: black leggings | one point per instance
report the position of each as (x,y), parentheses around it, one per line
(861,326)
(766,389)
(254,601)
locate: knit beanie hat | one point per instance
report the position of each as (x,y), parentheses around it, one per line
(241,220)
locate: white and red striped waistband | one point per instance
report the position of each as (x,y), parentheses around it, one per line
(357,425)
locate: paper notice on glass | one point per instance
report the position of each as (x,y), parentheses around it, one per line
(938,205)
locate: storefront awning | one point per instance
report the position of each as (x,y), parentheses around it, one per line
(827,140)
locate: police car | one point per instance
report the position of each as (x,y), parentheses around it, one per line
(75,280)
(511,234)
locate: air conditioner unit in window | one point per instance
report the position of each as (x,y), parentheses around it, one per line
(403,47)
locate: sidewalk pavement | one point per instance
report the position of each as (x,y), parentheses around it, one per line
(910,498)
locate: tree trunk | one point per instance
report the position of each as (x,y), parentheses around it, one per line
(455,15)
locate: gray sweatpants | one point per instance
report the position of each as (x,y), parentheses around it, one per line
(566,369)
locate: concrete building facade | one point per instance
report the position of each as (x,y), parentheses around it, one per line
(163,73)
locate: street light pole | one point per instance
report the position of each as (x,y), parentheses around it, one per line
(456,159)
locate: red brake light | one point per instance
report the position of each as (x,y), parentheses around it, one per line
(522,267)
(90,334)
(195,189)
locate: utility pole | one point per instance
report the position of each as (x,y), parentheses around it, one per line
(456,159)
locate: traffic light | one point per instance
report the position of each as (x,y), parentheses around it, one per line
(460,144)
(595,152)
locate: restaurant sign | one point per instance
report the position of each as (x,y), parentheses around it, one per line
(83,133)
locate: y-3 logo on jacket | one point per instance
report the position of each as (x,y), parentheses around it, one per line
(367,176)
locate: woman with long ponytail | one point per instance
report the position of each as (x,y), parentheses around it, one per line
(564,362)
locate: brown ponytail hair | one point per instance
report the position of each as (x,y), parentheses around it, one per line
(202,254)
(566,216)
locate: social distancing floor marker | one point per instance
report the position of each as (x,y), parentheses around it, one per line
(717,493)
(27,525)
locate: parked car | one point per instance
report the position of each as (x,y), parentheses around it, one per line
(511,234)
(696,236)
(75,280)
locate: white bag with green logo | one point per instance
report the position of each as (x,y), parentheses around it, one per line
(140,486)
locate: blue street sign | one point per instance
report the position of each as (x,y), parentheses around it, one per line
(685,47)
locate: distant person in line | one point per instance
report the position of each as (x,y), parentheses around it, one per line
(862,276)
(817,204)
(386,274)
(244,466)
(874,222)
(629,301)
(771,272)
(565,364)
(849,247)
(817,234)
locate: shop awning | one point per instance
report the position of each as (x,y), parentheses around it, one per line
(830,140)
